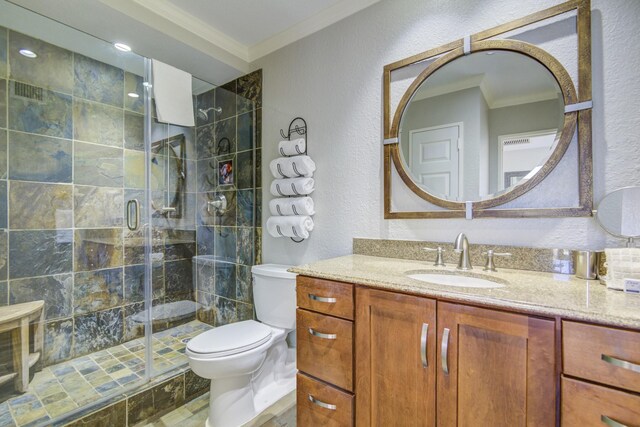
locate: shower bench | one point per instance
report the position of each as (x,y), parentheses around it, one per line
(16,319)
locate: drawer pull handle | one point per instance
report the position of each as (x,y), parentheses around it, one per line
(423,344)
(444,351)
(321,404)
(321,335)
(621,363)
(322,299)
(611,422)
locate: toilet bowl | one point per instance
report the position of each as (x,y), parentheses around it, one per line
(249,363)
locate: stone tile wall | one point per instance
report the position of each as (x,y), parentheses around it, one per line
(158,398)
(229,243)
(71,155)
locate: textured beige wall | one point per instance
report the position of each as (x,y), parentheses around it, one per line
(333,79)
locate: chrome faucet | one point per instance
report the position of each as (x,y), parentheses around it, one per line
(461,245)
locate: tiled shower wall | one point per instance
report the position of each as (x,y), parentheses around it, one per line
(229,242)
(71,154)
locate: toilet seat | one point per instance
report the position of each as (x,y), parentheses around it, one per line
(230,339)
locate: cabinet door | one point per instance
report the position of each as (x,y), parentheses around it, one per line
(395,359)
(495,369)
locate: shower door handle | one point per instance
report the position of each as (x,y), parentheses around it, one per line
(136,214)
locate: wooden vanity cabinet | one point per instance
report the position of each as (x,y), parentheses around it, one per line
(486,367)
(494,368)
(324,351)
(416,361)
(607,356)
(395,359)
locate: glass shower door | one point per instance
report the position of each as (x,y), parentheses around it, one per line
(71,163)
(205,206)
(172,233)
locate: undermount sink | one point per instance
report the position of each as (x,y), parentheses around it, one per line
(456,280)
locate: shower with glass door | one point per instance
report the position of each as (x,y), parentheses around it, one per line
(115,247)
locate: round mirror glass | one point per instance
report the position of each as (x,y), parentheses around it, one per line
(480,125)
(619,212)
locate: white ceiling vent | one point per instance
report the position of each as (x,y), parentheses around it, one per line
(516,141)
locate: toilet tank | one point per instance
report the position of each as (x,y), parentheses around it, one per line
(274,295)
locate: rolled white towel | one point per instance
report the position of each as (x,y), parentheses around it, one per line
(296,226)
(292,206)
(292,186)
(292,148)
(292,167)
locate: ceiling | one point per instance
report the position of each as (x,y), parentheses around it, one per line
(215,40)
(251,22)
(505,79)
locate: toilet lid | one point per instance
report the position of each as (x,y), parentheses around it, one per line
(230,339)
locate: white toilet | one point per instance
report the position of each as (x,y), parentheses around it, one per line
(249,363)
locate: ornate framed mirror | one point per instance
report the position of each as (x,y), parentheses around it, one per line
(486,120)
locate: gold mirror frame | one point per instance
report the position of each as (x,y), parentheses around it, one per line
(580,119)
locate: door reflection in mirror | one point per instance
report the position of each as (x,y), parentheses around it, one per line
(491,99)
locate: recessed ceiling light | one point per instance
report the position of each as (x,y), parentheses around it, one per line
(123,47)
(28,53)
(133,95)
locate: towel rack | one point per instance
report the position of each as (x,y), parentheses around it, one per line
(300,130)
(299,126)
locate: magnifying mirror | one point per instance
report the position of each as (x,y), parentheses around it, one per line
(619,213)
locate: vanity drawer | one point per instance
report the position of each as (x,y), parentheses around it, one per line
(325,348)
(319,404)
(601,354)
(586,404)
(325,296)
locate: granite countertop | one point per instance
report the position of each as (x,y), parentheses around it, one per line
(545,294)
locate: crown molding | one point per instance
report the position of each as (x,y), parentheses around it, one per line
(520,100)
(315,23)
(456,86)
(168,18)
(489,96)
(172,21)
(196,26)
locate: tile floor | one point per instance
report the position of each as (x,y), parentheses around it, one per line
(194,414)
(66,386)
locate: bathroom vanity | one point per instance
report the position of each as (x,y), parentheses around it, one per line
(376,347)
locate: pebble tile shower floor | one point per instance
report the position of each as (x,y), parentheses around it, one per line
(61,388)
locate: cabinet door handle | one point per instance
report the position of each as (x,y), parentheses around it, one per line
(611,422)
(444,351)
(322,299)
(423,344)
(621,363)
(322,404)
(321,335)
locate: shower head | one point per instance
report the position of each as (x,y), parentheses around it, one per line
(204,114)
